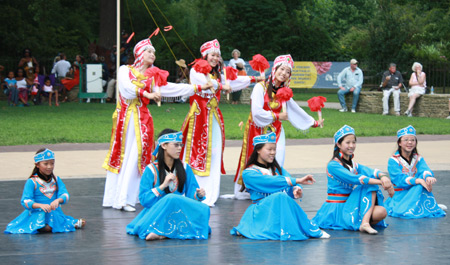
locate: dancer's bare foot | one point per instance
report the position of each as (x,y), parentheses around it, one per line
(153,236)
(80,223)
(46,229)
(368,229)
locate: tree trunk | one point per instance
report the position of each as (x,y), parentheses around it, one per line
(107,35)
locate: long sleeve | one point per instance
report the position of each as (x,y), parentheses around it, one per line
(298,117)
(260,116)
(176,90)
(239,83)
(423,170)
(340,77)
(290,190)
(28,195)
(62,191)
(397,176)
(200,79)
(127,89)
(341,174)
(359,79)
(191,185)
(255,180)
(148,193)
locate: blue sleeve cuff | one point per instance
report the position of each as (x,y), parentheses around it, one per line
(366,180)
(161,193)
(412,181)
(64,197)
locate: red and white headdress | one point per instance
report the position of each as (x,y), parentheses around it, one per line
(283,60)
(209,47)
(139,49)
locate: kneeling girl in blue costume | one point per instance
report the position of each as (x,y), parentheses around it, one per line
(42,198)
(167,213)
(355,201)
(413,181)
(274,214)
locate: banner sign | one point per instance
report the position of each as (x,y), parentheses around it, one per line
(309,74)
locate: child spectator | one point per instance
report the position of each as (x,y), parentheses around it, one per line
(42,197)
(49,91)
(22,87)
(11,90)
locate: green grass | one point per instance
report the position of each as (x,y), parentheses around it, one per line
(91,123)
(305,94)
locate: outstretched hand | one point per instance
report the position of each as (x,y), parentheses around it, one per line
(306,180)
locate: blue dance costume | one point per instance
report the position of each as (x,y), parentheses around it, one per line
(349,196)
(171,215)
(411,200)
(274,214)
(37,190)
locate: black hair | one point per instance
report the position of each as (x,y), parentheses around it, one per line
(23,71)
(254,158)
(270,86)
(177,164)
(40,175)
(27,51)
(216,70)
(414,151)
(336,149)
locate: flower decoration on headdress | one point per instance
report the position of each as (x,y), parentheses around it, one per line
(139,49)
(270,138)
(345,130)
(45,155)
(176,137)
(283,60)
(410,130)
(209,47)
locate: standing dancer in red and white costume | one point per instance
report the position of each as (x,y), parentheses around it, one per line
(203,128)
(266,115)
(132,133)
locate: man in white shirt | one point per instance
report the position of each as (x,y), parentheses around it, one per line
(61,67)
(353,83)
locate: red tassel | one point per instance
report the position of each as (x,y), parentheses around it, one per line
(316,103)
(231,73)
(160,76)
(284,94)
(202,66)
(259,63)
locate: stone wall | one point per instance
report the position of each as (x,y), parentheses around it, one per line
(426,106)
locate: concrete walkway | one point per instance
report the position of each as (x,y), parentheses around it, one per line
(302,156)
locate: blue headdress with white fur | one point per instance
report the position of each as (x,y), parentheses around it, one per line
(176,137)
(406,131)
(345,130)
(270,138)
(45,155)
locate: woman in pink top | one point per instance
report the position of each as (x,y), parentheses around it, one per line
(418,83)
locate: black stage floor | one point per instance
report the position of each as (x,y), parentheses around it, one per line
(104,241)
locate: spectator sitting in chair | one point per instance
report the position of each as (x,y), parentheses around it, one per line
(49,91)
(353,83)
(418,84)
(391,84)
(60,69)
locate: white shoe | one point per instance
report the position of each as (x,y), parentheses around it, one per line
(129,208)
(343,110)
(410,114)
(353,111)
(385,113)
(443,207)
(325,235)
(397,113)
(407,112)
(448,118)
